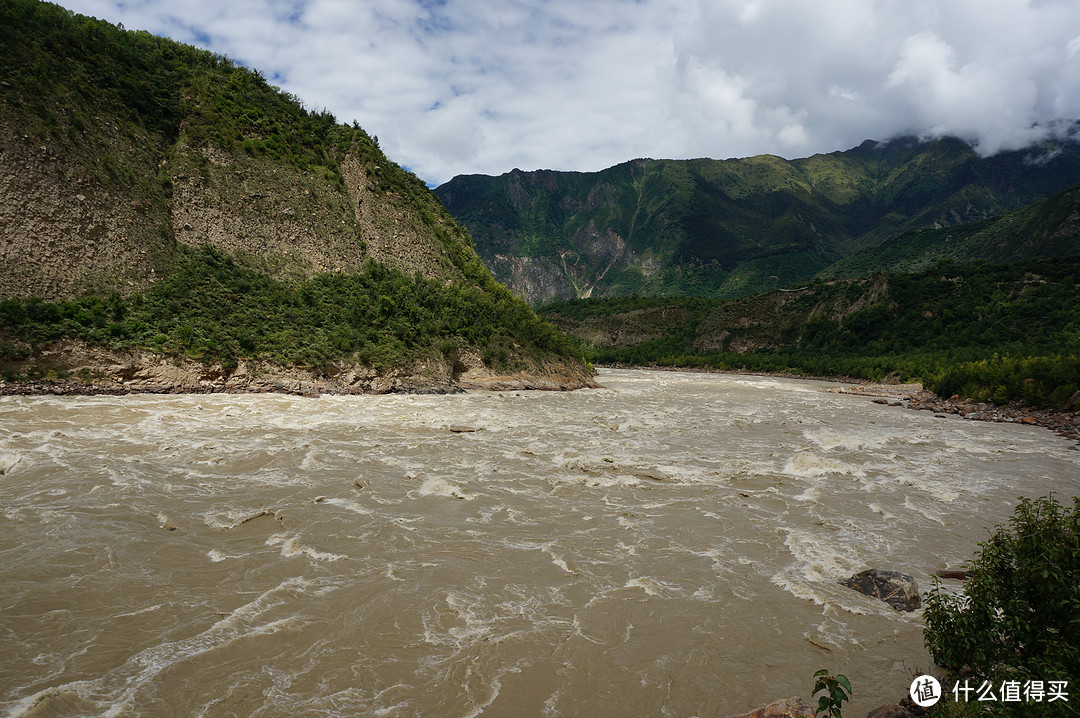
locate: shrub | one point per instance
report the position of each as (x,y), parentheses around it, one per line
(836,689)
(1018,618)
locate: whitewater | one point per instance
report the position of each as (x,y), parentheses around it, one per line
(668,545)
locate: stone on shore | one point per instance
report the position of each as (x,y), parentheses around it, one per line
(1073,404)
(899,590)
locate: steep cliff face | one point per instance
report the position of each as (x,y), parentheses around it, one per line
(63,231)
(124,157)
(288,221)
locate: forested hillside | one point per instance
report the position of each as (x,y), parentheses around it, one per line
(1048,228)
(728,228)
(990,332)
(167,205)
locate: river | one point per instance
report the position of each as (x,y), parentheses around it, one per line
(669,545)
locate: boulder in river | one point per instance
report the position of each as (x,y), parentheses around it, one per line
(899,590)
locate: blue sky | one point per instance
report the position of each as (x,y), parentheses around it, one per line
(483,86)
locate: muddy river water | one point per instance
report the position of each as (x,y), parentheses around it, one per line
(669,545)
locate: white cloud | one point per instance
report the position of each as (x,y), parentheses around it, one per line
(459,86)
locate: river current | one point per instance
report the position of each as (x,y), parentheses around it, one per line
(669,545)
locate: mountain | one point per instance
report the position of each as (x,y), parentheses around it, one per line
(727,228)
(163,207)
(986,331)
(1048,228)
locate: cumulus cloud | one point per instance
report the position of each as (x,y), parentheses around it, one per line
(462,86)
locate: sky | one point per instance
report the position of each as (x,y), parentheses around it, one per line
(484,86)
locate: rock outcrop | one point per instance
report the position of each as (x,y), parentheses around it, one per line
(99,370)
(899,590)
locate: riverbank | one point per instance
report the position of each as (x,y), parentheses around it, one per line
(72,367)
(1065,422)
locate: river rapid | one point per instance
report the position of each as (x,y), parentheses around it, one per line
(669,545)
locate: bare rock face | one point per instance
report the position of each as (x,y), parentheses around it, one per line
(296,223)
(393,232)
(1073,404)
(899,590)
(62,230)
(106,371)
(789,708)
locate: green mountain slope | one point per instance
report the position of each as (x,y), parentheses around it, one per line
(988,331)
(1048,228)
(734,227)
(160,205)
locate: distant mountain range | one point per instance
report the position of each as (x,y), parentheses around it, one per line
(728,228)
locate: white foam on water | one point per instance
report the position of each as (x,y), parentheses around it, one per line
(560,562)
(148,609)
(233,516)
(8,462)
(218,556)
(653,586)
(935,486)
(611,480)
(350,505)
(798,588)
(292,546)
(807,464)
(832,634)
(820,559)
(115,691)
(437,486)
(878,509)
(829,439)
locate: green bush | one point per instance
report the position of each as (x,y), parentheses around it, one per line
(1018,618)
(212,308)
(836,689)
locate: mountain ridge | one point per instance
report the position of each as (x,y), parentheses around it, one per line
(733,227)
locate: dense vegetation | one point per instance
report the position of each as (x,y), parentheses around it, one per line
(730,228)
(1048,228)
(989,332)
(216,310)
(1016,620)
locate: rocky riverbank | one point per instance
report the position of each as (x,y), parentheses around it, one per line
(1065,422)
(73,367)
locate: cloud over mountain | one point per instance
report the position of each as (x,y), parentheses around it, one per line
(461,86)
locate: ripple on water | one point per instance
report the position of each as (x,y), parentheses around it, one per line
(353,554)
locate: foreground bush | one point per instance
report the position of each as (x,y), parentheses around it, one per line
(1019,616)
